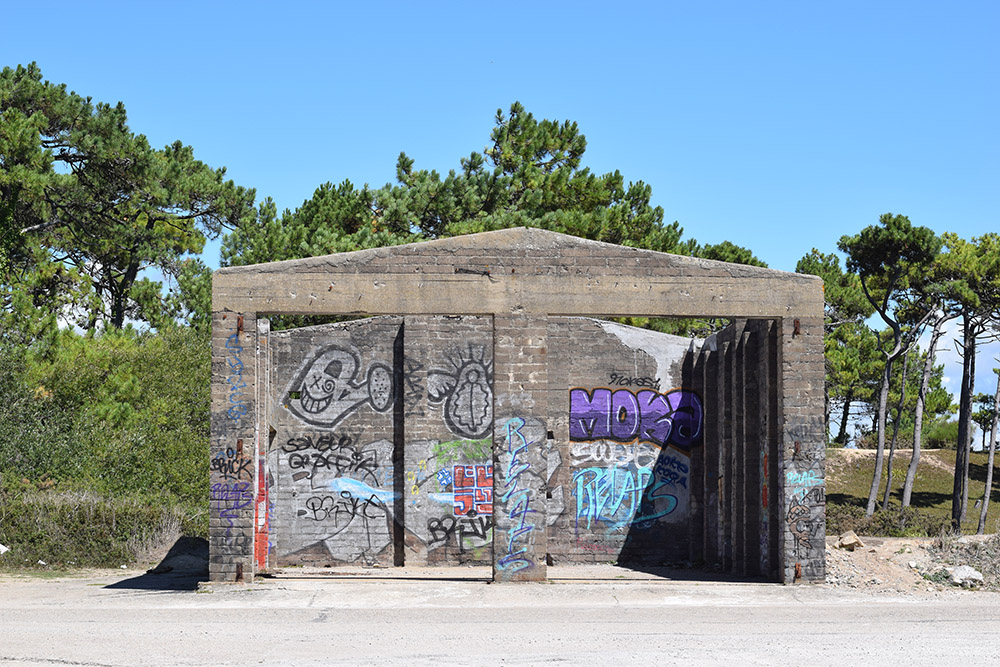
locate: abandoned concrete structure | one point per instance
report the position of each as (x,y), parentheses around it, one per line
(480,415)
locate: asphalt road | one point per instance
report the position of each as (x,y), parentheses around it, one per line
(373,619)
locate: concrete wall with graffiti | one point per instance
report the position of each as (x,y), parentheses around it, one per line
(624,427)
(382,430)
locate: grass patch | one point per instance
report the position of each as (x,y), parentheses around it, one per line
(849,477)
(79,529)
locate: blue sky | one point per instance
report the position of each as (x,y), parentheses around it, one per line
(778,126)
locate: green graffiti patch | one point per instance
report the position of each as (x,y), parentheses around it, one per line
(469,450)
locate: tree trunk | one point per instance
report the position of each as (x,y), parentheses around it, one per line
(844,418)
(883,398)
(895,430)
(989,463)
(918,416)
(968,444)
(959,493)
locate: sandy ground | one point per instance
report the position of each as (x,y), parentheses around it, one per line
(584,616)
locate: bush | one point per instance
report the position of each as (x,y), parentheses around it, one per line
(891,522)
(81,529)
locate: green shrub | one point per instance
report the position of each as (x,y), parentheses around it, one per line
(891,522)
(81,529)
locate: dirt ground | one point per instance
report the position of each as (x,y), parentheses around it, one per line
(908,565)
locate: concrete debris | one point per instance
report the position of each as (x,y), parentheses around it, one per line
(850,541)
(965,576)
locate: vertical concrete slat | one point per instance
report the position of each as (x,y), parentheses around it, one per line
(711,446)
(520,447)
(696,538)
(772,460)
(752,452)
(739,451)
(728,476)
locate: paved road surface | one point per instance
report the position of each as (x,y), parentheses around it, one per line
(594,617)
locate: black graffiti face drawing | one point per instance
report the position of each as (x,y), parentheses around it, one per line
(328,388)
(467,393)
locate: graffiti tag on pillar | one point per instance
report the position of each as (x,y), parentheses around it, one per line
(518,534)
(671,418)
(330,386)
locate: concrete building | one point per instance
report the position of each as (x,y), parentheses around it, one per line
(480,414)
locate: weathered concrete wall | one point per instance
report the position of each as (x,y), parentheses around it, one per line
(331,453)
(382,445)
(754,494)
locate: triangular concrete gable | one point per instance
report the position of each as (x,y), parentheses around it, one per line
(513,270)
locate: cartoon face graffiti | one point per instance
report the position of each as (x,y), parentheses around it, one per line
(328,387)
(467,393)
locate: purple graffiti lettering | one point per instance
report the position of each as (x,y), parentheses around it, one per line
(672,418)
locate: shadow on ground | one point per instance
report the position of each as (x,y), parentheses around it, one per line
(184,566)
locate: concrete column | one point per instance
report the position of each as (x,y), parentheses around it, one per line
(232,480)
(752,383)
(520,448)
(694,378)
(727,468)
(739,452)
(803,444)
(711,443)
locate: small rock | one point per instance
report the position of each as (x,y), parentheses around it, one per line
(965,576)
(912,564)
(42,562)
(850,541)
(3,549)
(124,567)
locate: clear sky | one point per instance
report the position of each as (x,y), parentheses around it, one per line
(778,126)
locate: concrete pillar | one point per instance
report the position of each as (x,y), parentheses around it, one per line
(711,444)
(739,451)
(520,448)
(752,383)
(234,432)
(803,444)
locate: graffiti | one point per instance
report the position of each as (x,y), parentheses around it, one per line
(626,381)
(614,453)
(461,528)
(328,388)
(262,525)
(444,478)
(674,417)
(469,450)
(343,508)
(238,404)
(473,490)
(516,559)
(671,471)
(329,452)
(413,387)
(596,547)
(807,478)
(229,499)
(231,545)
(466,391)
(416,478)
(229,465)
(615,496)
(799,516)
